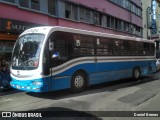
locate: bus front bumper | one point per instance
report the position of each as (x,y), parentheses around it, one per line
(29,85)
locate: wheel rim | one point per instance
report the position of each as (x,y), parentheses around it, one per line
(79,82)
(136,73)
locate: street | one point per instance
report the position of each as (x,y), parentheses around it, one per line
(122,95)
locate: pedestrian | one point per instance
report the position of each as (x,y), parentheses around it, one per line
(3,70)
(3,65)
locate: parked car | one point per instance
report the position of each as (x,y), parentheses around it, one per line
(158,64)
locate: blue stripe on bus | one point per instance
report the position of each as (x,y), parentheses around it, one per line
(103,72)
(98,73)
(110,66)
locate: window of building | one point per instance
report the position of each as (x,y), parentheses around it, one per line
(112,22)
(88,16)
(68,10)
(82,14)
(127,5)
(96,18)
(24,3)
(12,1)
(122,25)
(133,28)
(71,11)
(119,25)
(104,21)
(74,12)
(133,8)
(126,26)
(85,15)
(124,3)
(108,21)
(138,31)
(116,24)
(139,12)
(52,7)
(35,4)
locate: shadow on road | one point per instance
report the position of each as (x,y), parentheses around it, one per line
(109,86)
(59,113)
(8,91)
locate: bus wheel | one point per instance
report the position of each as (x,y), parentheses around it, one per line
(78,82)
(136,73)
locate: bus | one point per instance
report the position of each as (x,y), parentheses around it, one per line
(55,58)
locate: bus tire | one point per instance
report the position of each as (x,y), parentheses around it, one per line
(78,82)
(136,73)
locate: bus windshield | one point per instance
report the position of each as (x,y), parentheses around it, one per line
(26,52)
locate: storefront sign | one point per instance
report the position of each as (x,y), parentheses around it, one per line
(14,26)
(153,27)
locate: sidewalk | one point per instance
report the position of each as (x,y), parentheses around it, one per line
(152,105)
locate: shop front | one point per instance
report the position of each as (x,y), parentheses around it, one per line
(9,31)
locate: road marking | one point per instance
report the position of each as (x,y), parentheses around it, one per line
(6,100)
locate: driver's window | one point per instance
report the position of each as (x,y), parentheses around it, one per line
(58,48)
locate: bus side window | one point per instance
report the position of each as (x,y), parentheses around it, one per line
(59,48)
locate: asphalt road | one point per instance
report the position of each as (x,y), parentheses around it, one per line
(122,95)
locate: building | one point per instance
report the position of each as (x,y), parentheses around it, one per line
(151,22)
(151,19)
(123,17)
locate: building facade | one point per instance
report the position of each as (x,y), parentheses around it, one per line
(151,19)
(151,22)
(123,17)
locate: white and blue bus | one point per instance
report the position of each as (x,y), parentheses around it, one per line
(54,58)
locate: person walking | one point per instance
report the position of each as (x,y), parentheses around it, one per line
(3,74)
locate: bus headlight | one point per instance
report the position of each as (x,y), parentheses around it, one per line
(37,83)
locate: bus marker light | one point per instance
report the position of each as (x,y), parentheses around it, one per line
(37,83)
(28,87)
(18,86)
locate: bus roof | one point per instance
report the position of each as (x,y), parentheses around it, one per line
(47,29)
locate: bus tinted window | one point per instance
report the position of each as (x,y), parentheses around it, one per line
(83,45)
(104,46)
